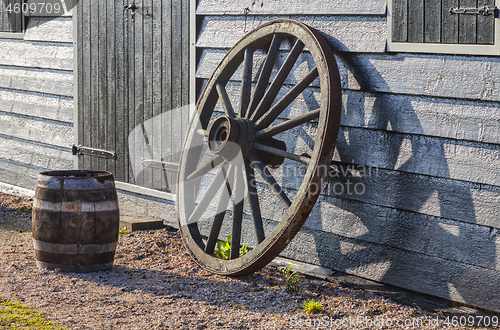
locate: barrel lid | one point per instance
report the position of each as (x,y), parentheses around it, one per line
(75,179)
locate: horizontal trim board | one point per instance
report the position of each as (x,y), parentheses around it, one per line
(38,105)
(57,83)
(144,191)
(9,35)
(16,191)
(292,7)
(353,34)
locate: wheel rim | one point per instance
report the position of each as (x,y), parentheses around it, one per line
(241,148)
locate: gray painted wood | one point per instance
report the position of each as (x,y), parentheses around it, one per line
(19,175)
(29,153)
(345,33)
(413,115)
(458,77)
(486,24)
(467,24)
(37,105)
(449,34)
(39,81)
(432,21)
(466,243)
(399,20)
(415,21)
(37,130)
(50,29)
(292,7)
(36,55)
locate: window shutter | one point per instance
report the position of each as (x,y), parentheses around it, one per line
(431,21)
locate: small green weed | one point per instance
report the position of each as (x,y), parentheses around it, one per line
(224,249)
(124,231)
(313,307)
(13,315)
(291,278)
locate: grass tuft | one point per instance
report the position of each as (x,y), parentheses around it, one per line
(13,315)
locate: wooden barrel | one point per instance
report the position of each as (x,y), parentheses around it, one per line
(75,221)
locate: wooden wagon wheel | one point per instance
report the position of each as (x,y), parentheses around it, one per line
(236,151)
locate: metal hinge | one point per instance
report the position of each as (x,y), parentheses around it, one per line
(485,11)
(160,164)
(79,150)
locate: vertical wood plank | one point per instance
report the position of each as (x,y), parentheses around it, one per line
(81,47)
(17,18)
(121,93)
(467,24)
(449,34)
(166,138)
(486,24)
(139,94)
(131,27)
(102,81)
(148,90)
(177,72)
(400,21)
(186,118)
(111,110)
(415,21)
(158,177)
(432,21)
(94,78)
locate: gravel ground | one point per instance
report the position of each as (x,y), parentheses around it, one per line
(155,285)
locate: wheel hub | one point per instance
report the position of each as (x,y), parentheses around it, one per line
(228,137)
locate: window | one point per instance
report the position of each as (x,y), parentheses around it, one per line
(444,26)
(11,19)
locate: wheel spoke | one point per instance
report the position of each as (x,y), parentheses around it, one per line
(257,164)
(278,81)
(289,124)
(282,153)
(220,213)
(246,83)
(268,118)
(253,199)
(265,74)
(226,103)
(238,199)
(205,168)
(207,198)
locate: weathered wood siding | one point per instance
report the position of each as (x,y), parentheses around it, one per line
(36,101)
(429,218)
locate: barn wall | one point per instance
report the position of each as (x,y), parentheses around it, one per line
(429,219)
(36,101)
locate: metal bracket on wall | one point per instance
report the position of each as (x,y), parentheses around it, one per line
(485,11)
(79,150)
